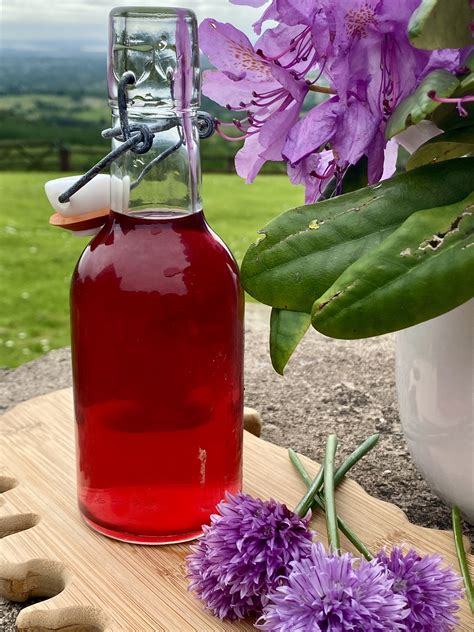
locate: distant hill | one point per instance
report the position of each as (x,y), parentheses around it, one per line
(27,72)
(60,98)
(66,72)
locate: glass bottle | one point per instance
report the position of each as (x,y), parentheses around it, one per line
(156,312)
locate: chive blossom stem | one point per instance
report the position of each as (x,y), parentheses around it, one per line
(347,531)
(341,471)
(331,516)
(461,553)
(319,502)
(309,498)
(355,456)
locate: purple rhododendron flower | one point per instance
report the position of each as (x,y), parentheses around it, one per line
(372,66)
(431,591)
(244,553)
(289,12)
(271,95)
(358,48)
(327,591)
(312,171)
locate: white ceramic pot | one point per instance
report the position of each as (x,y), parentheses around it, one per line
(435,383)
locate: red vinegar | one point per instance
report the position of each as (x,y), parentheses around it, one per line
(157,344)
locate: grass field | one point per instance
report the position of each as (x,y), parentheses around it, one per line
(36,260)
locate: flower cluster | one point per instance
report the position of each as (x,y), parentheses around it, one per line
(358,50)
(334,592)
(257,559)
(396,592)
(244,553)
(431,591)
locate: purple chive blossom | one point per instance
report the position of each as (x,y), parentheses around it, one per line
(431,591)
(244,553)
(359,47)
(334,592)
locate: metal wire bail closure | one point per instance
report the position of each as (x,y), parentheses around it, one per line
(146,138)
(146,141)
(206,125)
(137,138)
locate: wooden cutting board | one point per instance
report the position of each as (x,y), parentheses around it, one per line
(95,584)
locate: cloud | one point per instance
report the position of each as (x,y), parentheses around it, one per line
(28,21)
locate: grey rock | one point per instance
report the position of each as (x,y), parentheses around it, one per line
(51,372)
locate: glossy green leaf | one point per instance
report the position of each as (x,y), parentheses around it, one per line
(421,271)
(303,251)
(441,24)
(452,144)
(466,86)
(419,105)
(286,330)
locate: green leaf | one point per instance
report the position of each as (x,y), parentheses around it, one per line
(286,330)
(452,144)
(419,105)
(441,24)
(422,270)
(303,251)
(466,86)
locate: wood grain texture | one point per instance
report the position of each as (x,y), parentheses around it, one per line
(94,584)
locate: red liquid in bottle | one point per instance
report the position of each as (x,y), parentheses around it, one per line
(157,343)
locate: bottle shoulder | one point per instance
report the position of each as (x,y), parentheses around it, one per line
(153,250)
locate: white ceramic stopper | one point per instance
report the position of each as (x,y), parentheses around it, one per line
(94,196)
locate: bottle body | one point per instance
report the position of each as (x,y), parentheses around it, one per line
(157,345)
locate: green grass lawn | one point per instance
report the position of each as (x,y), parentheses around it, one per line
(37,260)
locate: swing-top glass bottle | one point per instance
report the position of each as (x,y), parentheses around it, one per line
(156,311)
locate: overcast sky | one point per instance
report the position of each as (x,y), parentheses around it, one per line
(31,23)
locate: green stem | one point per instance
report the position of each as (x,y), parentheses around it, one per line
(341,471)
(461,553)
(318,500)
(314,486)
(295,459)
(323,89)
(352,459)
(347,531)
(331,516)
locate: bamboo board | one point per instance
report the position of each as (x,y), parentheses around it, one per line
(95,584)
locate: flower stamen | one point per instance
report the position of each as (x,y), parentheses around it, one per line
(358,21)
(457,100)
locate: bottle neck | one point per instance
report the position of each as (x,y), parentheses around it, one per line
(166,177)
